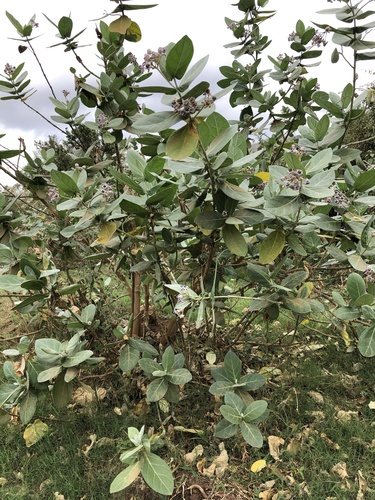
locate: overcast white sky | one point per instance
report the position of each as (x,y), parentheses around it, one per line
(202,20)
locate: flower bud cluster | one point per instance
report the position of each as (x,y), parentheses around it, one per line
(151,59)
(369,275)
(102,120)
(9,69)
(185,107)
(107,191)
(320,38)
(298,151)
(132,59)
(53,194)
(183,298)
(339,199)
(294,180)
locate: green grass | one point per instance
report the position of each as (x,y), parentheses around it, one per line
(345,381)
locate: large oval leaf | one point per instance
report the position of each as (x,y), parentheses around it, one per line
(234,240)
(157,474)
(183,142)
(179,57)
(271,247)
(120,25)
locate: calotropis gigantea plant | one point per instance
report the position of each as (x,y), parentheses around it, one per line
(191,211)
(198,200)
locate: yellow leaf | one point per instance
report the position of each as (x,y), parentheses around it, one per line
(35,432)
(265,176)
(183,142)
(345,336)
(305,290)
(120,25)
(258,465)
(106,232)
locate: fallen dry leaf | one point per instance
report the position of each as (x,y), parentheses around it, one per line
(210,471)
(371,405)
(362,486)
(316,396)
(221,462)
(87,447)
(35,432)
(267,494)
(3,481)
(340,470)
(189,458)
(58,496)
(274,443)
(345,416)
(200,465)
(294,446)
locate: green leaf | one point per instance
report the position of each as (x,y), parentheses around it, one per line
(9,393)
(346,313)
(366,343)
(183,142)
(355,285)
(149,365)
(157,474)
(234,240)
(253,381)
(125,478)
(11,283)
(255,410)
(180,376)
(62,392)
(231,414)
(233,366)
(209,220)
(251,434)
(282,205)
(271,247)
(49,374)
(225,429)
(64,183)
(193,72)
(221,140)
(28,407)
(143,346)
(155,122)
(179,58)
(297,305)
(77,358)
(65,27)
(234,401)
(157,389)
(365,181)
(167,359)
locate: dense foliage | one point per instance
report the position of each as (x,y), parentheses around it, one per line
(188,213)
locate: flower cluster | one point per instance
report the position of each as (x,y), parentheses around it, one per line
(319,38)
(132,59)
(339,199)
(107,191)
(292,36)
(298,151)
(102,120)
(369,275)
(183,300)
(294,180)
(9,69)
(185,107)
(53,194)
(209,99)
(151,59)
